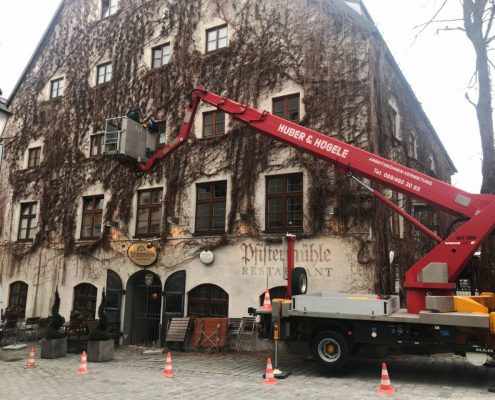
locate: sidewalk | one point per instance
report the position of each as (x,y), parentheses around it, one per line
(232,376)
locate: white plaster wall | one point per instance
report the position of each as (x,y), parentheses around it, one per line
(242,269)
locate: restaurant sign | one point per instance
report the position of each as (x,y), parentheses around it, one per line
(142,254)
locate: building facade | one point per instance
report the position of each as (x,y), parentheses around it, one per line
(204,233)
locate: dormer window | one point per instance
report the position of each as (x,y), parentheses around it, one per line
(216,38)
(56,88)
(108,7)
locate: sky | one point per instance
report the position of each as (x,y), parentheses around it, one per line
(438,66)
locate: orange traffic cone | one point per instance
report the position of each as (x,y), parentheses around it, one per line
(167,371)
(31,362)
(267,304)
(269,378)
(83,364)
(385,385)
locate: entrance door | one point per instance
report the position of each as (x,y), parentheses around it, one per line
(147,301)
(175,287)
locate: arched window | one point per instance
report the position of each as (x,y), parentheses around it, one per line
(84,301)
(208,301)
(17,298)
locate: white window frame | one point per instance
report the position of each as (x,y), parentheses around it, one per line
(396,133)
(107,73)
(113,6)
(219,42)
(59,90)
(164,57)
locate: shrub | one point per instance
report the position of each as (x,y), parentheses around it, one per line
(53,331)
(100,332)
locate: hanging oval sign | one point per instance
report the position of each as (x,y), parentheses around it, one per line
(142,253)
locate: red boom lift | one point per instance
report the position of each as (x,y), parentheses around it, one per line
(434,315)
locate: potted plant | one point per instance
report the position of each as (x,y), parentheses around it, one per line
(54,345)
(100,344)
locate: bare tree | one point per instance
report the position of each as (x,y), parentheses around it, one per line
(478,18)
(477,22)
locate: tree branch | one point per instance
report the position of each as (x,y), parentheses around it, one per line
(466,95)
(430,21)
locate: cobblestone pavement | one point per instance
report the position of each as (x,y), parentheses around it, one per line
(132,375)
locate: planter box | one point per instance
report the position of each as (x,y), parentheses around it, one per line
(14,352)
(100,350)
(54,348)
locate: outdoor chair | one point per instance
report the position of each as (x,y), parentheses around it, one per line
(246,334)
(233,331)
(209,336)
(177,330)
(29,328)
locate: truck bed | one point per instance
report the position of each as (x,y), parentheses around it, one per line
(371,308)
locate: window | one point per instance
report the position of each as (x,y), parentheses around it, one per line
(56,88)
(108,7)
(397,220)
(104,73)
(34,157)
(284,202)
(287,107)
(216,38)
(210,206)
(27,222)
(413,146)
(161,133)
(149,212)
(208,301)
(85,301)
(213,123)
(91,217)
(432,163)
(17,298)
(161,55)
(394,122)
(96,144)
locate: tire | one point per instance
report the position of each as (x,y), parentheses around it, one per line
(331,350)
(299,281)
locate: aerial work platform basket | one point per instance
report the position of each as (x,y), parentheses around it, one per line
(128,140)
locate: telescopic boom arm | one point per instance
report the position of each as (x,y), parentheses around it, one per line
(436,272)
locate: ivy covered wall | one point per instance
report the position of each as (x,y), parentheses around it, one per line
(321,46)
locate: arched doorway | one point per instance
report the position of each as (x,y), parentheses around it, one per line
(142,308)
(17,298)
(277,292)
(114,294)
(173,296)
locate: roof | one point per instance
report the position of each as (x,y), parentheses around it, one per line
(37,50)
(404,81)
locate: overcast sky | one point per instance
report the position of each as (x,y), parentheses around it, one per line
(437,66)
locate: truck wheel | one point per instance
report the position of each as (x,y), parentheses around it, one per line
(299,281)
(330,349)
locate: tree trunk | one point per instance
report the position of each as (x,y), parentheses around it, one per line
(473,24)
